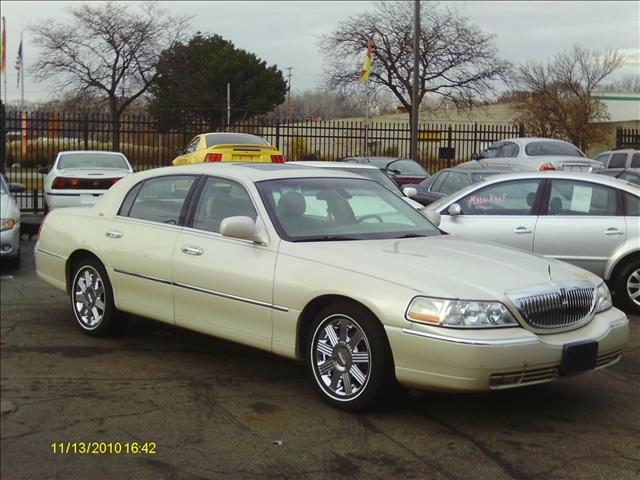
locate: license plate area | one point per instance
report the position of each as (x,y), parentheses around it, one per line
(578,357)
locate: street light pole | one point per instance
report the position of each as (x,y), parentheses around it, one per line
(415,107)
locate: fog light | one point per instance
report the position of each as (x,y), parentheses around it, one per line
(6,248)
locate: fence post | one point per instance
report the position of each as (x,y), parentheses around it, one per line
(618,137)
(34,194)
(449,140)
(278,135)
(86,131)
(3,139)
(521,130)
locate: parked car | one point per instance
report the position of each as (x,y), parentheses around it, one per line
(80,178)
(400,170)
(620,158)
(537,154)
(450,180)
(330,268)
(369,171)
(627,174)
(588,220)
(228,147)
(10,224)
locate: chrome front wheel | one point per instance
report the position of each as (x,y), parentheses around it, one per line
(633,287)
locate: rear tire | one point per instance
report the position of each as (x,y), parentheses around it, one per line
(92,300)
(348,357)
(627,287)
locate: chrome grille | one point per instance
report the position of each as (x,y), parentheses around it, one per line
(555,305)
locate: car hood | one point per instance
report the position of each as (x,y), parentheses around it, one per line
(93,173)
(447,266)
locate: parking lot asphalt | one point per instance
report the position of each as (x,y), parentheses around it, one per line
(218,410)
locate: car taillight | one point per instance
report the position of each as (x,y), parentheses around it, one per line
(115,180)
(277,159)
(213,157)
(61,183)
(546,166)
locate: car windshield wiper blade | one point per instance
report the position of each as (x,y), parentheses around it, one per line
(326,238)
(411,235)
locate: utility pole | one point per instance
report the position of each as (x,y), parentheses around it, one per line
(228,106)
(289,96)
(415,107)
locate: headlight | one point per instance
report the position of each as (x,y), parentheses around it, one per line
(459,313)
(603,298)
(8,223)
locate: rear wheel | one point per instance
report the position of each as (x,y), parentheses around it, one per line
(92,300)
(627,287)
(348,357)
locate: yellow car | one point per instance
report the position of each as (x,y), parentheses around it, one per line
(228,147)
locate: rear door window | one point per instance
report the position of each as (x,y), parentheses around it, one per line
(618,160)
(635,161)
(220,199)
(160,199)
(602,158)
(632,205)
(571,198)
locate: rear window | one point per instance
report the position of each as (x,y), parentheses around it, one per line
(91,160)
(407,167)
(635,161)
(544,148)
(233,138)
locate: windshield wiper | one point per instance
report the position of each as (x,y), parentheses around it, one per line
(326,238)
(411,235)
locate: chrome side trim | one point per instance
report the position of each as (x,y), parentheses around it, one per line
(145,277)
(469,341)
(47,252)
(204,290)
(232,297)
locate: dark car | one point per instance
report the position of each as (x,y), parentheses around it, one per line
(629,174)
(450,180)
(401,170)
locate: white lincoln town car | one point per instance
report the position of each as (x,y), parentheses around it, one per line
(330,268)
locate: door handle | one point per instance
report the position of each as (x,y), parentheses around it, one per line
(113,234)
(192,250)
(522,230)
(613,231)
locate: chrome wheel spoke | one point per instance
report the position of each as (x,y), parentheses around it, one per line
(324,348)
(82,285)
(99,304)
(326,367)
(343,330)
(358,375)
(635,294)
(346,383)
(335,380)
(96,314)
(331,335)
(87,278)
(80,298)
(356,338)
(360,357)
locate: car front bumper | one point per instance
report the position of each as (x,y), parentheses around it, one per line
(478,360)
(10,241)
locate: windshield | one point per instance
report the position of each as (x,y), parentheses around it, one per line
(233,138)
(92,160)
(331,209)
(544,148)
(377,176)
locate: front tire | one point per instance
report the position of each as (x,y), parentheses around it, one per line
(92,300)
(627,287)
(348,357)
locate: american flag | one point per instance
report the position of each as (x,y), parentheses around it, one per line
(19,61)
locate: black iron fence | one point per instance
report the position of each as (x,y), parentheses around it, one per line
(627,137)
(33,139)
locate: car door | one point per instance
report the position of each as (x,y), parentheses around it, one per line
(223,286)
(139,241)
(583,224)
(503,212)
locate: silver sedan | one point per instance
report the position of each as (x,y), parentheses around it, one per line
(588,220)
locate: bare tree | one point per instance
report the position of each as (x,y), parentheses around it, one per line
(106,49)
(458,62)
(556,99)
(626,84)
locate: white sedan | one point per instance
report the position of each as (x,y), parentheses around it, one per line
(79,178)
(330,268)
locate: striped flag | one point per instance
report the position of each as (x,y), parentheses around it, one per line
(366,68)
(19,61)
(3,46)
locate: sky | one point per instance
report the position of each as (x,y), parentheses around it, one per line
(287,33)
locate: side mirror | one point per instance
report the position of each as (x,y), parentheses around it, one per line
(410,191)
(432,216)
(243,228)
(43,170)
(16,188)
(475,156)
(454,210)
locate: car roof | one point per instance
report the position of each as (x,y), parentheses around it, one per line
(247,171)
(106,152)
(622,150)
(492,169)
(336,165)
